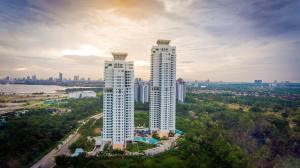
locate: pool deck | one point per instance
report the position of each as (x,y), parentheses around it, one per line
(162,147)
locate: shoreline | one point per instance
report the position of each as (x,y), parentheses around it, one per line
(19,101)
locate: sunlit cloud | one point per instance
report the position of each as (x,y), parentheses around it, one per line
(141,63)
(84,50)
(21,69)
(219,40)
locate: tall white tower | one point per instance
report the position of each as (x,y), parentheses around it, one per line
(163,88)
(118,101)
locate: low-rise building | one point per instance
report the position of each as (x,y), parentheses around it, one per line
(82,94)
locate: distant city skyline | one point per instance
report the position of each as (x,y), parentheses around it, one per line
(231,41)
(36,77)
(78,77)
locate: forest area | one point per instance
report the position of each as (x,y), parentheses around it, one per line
(27,137)
(220,130)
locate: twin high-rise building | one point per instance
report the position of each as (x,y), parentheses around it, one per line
(118,101)
(118,95)
(163,88)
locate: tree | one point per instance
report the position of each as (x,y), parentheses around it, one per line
(155,135)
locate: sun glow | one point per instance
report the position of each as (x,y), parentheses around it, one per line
(141,63)
(84,50)
(21,69)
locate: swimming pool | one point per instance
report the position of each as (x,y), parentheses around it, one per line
(146,140)
(178,132)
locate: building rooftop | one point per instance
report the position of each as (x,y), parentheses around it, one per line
(82,92)
(160,41)
(119,55)
(180,80)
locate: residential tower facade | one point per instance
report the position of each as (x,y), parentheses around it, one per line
(163,88)
(118,101)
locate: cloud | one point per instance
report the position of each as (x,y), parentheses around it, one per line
(86,60)
(84,49)
(277,16)
(69,11)
(21,69)
(267,17)
(187,62)
(221,40)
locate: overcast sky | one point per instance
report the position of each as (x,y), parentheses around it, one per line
(220,40)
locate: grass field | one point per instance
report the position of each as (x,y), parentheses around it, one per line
(141,118)
(139,146)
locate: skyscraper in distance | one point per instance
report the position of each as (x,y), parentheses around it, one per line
(76,77)
(163,88)
(180,90)
(144,92)
(137,83)
(141,91)
(118,101)
(60,77)
(34,77)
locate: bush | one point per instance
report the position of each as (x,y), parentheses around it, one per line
(118,152)
(255,109)
(155,135)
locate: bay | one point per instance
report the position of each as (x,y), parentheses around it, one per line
(20,88)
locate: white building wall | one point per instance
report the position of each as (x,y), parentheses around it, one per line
(163,87)
(118,121)
(82,94)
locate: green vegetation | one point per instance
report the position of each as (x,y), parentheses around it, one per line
(141,118)
(87,132)
(204,145)
(264,134)
(243,127)
(139,146)
(141,106)
(155,135)
(221,130)
(27,137)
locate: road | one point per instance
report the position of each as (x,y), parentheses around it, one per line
(48,161)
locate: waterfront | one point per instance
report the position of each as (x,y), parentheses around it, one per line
(20,89)
(15,97)
(46,89)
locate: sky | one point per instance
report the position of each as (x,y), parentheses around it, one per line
(220,40)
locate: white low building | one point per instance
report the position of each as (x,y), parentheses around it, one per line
(82,94)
